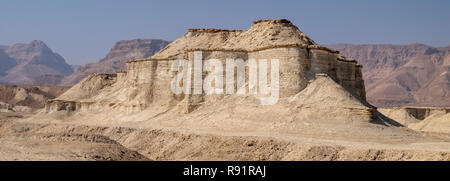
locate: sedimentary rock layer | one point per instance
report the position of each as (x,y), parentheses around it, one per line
(146,82)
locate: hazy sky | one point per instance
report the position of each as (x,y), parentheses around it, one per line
(83,31)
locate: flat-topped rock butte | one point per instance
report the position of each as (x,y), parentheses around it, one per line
(147,81)
(322,113)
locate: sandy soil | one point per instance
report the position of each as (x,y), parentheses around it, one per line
(22,139)
(17,144)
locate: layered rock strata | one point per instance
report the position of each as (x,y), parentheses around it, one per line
(146,82)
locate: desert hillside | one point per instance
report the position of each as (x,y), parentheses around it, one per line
(23,63)
(29,96)
(400,75)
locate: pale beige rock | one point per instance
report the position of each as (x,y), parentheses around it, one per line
(434,123)
(5,107)
(430,119)
(146,82)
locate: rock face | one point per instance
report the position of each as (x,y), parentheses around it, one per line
(311,77)
(146,83)
(321,93)
(399,75)
(300,58)
(21,63)
(116,58)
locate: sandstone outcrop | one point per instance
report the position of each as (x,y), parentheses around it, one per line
(318,88)
(146,82)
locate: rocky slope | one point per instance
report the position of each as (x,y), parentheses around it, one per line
(115,60)
(398,75)
(6,63)
(29,96)
(22,63)
(429,119)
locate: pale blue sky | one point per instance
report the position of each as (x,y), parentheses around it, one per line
(83,31)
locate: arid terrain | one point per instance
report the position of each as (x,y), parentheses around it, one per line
(27,96)
(321,114)
(27,137)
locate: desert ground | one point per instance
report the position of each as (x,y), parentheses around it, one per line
(23,138)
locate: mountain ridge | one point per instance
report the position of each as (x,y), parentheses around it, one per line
(21,63)
(403,75)
(116,58)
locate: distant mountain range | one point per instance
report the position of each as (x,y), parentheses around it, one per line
(398,75)
(36,64)
(117,57)
(23,63)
